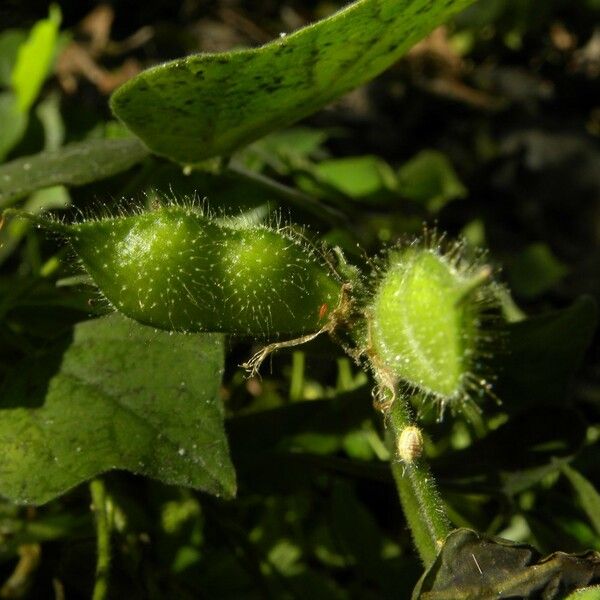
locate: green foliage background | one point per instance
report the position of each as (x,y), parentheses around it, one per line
(489,130)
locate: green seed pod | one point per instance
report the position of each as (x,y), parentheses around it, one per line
(175,268)
(425,323)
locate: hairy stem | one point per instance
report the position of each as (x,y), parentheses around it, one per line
(422,505)
(103,529)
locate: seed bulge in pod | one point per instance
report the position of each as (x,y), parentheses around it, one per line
(175,268)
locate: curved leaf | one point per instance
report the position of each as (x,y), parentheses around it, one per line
(211,104)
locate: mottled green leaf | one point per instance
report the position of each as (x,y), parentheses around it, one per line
(472,566)
(123,396)
(75,164)
(212,104)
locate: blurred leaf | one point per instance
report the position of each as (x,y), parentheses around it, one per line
(225,191)
(43,200)
(356,444)
(520,480)
(48,112)
(13,124)
(34,59)
(10,40)
(124,396)
(471,565)
(495,457)
(357,177)
(429,179)
(535,271)
(17,531)
(542,354)
(556,526)
(275,449)
(356,531)
(212,104)
(588,496)
(281,148)
(75,164)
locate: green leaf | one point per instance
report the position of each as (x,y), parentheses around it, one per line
(75,164)
(10,40)
(471,565)
(212,104)
(535,271)
(497,460)
(48,112)
(123,397)
(281,149)
(588,496)
(551,347)
(356,176)
(34,59)
(47,199)
(356,531)
(13,124)
(429,178)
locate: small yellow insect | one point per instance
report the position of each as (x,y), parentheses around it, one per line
(410,444)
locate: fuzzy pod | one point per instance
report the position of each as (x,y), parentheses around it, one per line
(176,268)
(425,322)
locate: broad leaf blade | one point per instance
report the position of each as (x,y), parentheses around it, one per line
(75,164)
(125,397)
(212,104)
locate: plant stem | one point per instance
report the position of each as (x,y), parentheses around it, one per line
(423,507)
(294,197)
(103,529)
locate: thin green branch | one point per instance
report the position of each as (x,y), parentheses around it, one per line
(102,513)
(294,197)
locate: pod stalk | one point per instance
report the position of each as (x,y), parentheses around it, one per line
(422,505)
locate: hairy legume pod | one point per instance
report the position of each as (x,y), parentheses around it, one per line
(175,268)
(426,322)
